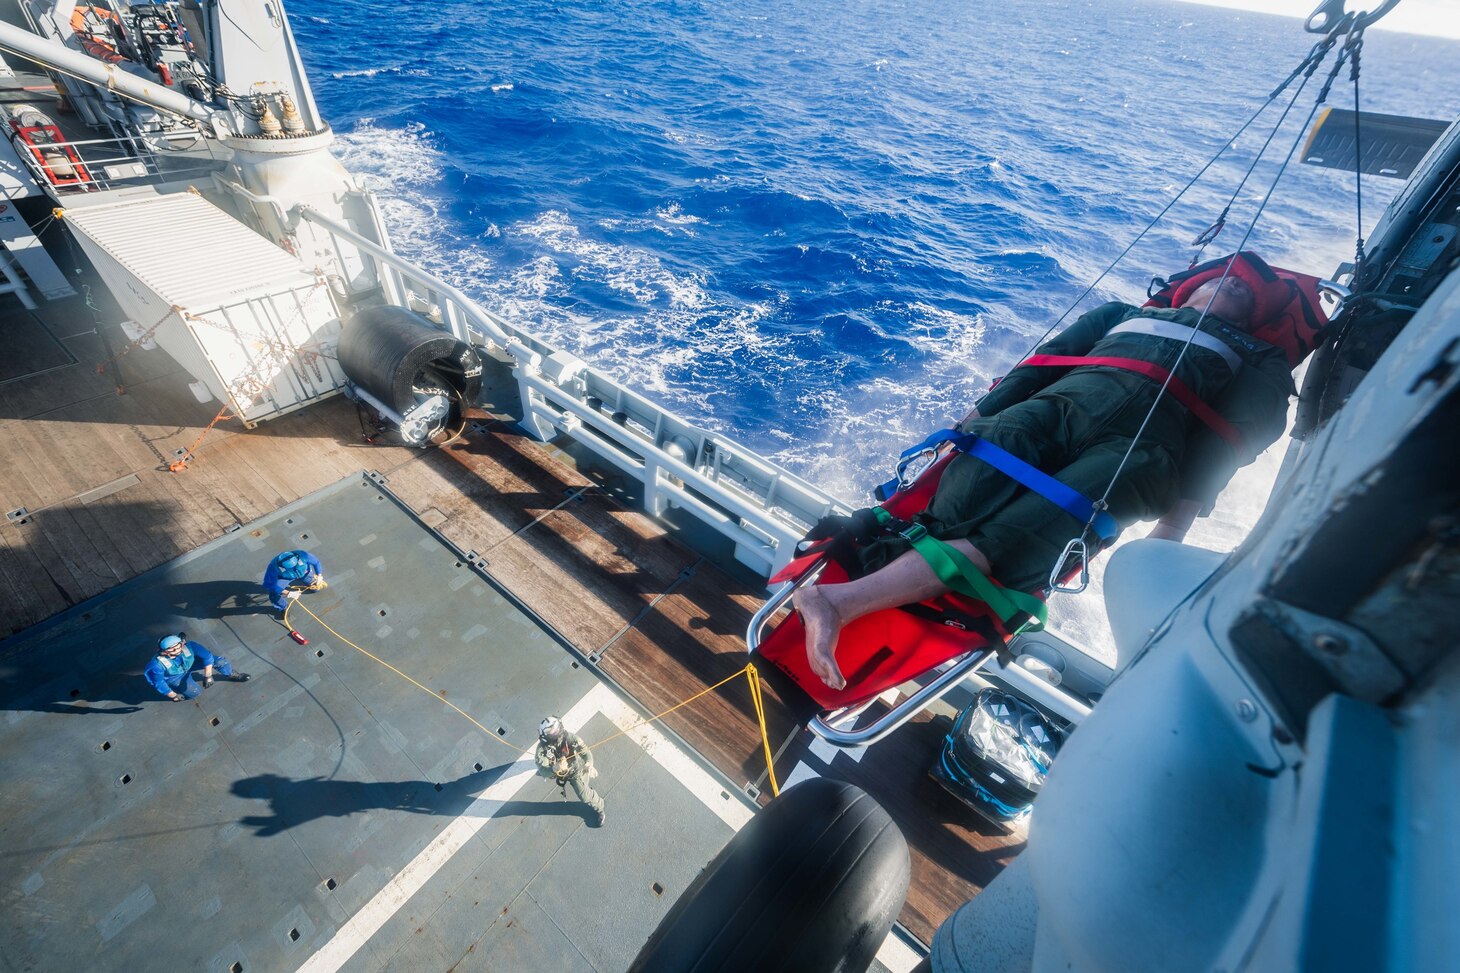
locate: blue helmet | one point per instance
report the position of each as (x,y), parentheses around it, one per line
(291,566)
(167,642)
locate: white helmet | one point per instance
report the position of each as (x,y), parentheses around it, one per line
(550,730)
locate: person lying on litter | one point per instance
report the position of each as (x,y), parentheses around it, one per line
(1077,423)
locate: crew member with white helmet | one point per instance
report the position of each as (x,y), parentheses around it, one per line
(563,756)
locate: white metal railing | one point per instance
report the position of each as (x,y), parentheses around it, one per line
(763,509)
(93,165)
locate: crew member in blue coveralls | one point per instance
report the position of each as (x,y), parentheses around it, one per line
(182,669)
(290,573)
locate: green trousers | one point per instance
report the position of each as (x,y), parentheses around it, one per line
(1077,430)
(583,790)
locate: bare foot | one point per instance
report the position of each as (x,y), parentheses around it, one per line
(823,624)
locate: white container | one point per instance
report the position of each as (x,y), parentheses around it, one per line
(245,317)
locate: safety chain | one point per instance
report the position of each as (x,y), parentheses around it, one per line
(274,352)
(136,342)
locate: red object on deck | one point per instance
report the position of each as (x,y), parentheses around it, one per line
(46,140)
(298,638)
(880,651)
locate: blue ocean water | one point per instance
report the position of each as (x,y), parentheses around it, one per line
(817,227)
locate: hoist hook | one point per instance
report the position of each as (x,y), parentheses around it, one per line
(1330,14)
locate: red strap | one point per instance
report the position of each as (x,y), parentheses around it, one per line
(1155,373)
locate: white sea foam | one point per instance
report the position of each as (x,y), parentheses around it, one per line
(504,86)
(675,215)
(628,270)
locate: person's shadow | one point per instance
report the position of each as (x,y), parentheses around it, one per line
(295,802)
(216,599)
(87,692)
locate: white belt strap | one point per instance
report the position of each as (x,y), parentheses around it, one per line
(1180,332)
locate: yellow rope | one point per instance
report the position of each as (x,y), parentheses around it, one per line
(749,672)
(708,689)
(398,673)
(770,763)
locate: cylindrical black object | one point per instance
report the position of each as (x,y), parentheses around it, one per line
(811,885)
(391,352)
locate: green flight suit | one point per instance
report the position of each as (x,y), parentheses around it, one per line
(1077,423)
(580,769)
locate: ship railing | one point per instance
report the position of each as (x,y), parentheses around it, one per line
(762,509)
(94,165)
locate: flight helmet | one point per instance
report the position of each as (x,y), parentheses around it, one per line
(550,730)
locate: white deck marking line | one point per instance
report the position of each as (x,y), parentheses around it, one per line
(351,936)
(690,774)
(897,955)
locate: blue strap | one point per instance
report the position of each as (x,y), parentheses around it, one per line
(1062,495)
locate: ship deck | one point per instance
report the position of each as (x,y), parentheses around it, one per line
(329,814)
(614,587)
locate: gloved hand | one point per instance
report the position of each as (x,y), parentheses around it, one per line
(320,582)
(292,595)
(846,534)
(207,681)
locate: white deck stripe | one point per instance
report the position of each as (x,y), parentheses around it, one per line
(353,935)
(897,955)
(408,881)
(690,775)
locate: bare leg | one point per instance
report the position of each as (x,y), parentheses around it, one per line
(826,608)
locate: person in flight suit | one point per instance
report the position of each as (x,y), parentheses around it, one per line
(1077,424)
(563,756)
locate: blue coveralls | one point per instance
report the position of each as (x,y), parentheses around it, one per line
(175,675)
(277,581)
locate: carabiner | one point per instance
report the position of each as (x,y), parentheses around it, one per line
(1330,13)
(1076,546)
(915,466)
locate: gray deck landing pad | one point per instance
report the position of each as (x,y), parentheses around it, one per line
(327,814)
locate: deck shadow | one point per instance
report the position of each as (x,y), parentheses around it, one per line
(296,802)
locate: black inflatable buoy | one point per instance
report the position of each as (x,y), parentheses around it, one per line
(811,885)
(401,358)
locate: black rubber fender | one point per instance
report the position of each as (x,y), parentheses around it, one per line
(384,349)
(813,883)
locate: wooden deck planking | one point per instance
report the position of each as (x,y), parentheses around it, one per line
(88,551)
(37,596)
(39,481)
(584,572)
(132,525)
(47,567)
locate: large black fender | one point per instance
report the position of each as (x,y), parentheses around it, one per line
(391,352)
(813,883)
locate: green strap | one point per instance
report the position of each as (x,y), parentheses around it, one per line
(954,569)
